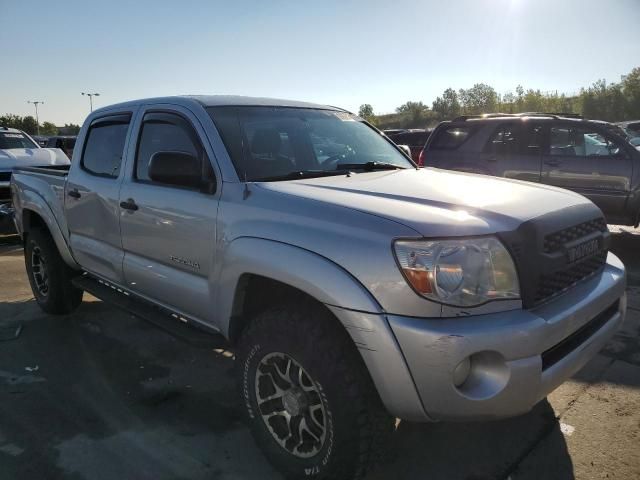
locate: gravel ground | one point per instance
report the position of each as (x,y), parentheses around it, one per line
(101,395)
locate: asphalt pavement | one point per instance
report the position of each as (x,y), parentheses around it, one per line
(100,394)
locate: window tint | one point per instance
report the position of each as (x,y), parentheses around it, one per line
(11,140)
(580,142)
(104,148)
(504,140)
(532,140)
(450,138)
(516,138)
(164,132)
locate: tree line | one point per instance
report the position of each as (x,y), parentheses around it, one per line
(612,102)
(29,125)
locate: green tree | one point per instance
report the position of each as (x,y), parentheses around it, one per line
(366,111)
(69,129)
(631,91)
(448,106)
(413,108)
(481,98)
(11,121)
(48,128)
(415,114)
(29,125)
(604,101)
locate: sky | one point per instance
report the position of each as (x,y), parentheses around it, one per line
(344,52)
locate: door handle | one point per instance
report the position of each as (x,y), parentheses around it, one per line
(129,204)
(74,193)
(552,163)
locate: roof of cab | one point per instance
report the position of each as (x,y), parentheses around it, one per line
(216,101)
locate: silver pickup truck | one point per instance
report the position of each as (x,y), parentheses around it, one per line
(353,287)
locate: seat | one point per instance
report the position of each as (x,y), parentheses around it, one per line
(266,157)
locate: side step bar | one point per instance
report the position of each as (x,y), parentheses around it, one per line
(169,321)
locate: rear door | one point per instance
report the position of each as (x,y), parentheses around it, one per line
(588,161)
(514,151)
(169,236)
(92,194)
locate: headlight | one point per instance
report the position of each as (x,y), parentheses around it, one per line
(462,272)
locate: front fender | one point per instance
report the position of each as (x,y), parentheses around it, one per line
(307,271)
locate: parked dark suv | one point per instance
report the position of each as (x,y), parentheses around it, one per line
(587,156)
(65,143)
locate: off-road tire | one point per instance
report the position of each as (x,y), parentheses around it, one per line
(357,424)
(61,297)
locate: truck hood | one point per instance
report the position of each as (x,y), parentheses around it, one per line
(32,157)
(436,202)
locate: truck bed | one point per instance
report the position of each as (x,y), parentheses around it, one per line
(42,187)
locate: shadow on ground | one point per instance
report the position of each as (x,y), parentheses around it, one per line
(100,394)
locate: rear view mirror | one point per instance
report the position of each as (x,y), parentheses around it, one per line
(405,149)
(176,168)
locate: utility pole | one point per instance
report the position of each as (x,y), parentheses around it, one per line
(35,104)
(91,95)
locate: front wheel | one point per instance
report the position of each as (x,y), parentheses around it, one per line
(308,398)
(49,276)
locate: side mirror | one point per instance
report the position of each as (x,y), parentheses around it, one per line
(405,149)
(176,168)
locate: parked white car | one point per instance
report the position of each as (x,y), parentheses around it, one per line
(17,149)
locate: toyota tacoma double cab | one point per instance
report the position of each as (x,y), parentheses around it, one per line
(353,287)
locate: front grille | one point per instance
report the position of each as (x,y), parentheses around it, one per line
(5,176)
(555,251)
(555,283)
(555,241)
(577,338)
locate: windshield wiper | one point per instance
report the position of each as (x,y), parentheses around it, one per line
(300,174)
(369,166)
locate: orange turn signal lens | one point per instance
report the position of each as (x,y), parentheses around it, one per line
(419,279)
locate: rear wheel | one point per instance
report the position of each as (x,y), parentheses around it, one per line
(49,276)
(309,400)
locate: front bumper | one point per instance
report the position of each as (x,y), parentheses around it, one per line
(517,357)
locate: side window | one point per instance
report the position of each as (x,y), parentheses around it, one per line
(104,146)
(450,138)
(504,140)
(581,142)
(165,132)
(532,139)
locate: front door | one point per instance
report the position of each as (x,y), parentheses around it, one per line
(92,195)
(168,232)
(589,162)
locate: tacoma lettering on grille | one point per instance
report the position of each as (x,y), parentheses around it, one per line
(554,283)
(555,241)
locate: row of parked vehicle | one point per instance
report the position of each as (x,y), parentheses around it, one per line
(597,159)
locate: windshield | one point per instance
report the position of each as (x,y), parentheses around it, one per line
(9,140)
(272,143)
